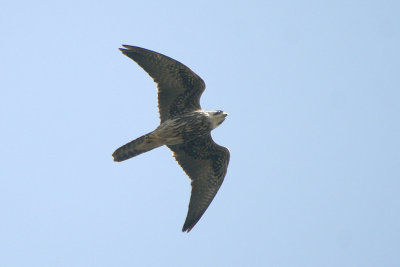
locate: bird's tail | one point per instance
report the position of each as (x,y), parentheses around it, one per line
(138,146)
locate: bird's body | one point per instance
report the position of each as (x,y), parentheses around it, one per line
(185,128)
(177,130)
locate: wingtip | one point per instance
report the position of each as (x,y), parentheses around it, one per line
(115,158)
(188,226)
(123,50)
(127,47)
(186,229)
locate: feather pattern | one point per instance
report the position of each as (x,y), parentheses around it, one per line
(179,88)
(185,128)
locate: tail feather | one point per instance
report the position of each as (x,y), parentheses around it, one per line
(136,147)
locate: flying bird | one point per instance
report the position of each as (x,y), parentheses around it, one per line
(184,128)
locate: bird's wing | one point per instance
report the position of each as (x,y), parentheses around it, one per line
(206,163)
(179,88)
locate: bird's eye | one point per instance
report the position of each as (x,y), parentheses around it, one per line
(218,112)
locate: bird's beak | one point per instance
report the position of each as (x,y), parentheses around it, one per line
(225,114)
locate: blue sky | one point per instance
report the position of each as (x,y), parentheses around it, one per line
(312,89)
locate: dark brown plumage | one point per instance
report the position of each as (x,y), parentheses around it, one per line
(185,128)
(179,88)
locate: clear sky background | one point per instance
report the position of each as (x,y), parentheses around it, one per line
(312,89)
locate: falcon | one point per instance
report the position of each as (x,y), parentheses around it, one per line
(184,128)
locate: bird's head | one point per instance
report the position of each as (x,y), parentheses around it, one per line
(217,117)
